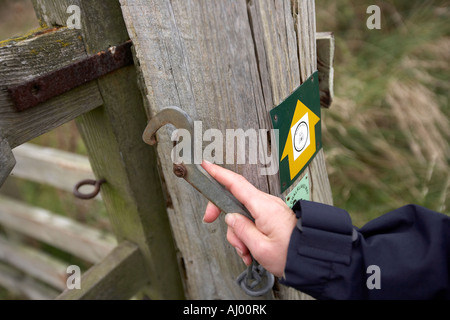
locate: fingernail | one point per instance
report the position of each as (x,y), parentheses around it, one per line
(239,251)
(229,219)
(207,162)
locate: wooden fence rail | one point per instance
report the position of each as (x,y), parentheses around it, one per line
(60,170)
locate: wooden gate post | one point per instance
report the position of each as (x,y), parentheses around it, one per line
(227,63)
(112,133)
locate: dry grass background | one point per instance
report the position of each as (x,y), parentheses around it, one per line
(387,135)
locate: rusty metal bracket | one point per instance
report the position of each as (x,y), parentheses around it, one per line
(55,83)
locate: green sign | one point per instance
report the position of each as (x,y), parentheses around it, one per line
(300,192)
(298,120)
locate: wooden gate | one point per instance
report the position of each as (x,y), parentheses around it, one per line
(227,63)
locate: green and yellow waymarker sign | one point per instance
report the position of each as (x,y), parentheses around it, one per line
(298,120)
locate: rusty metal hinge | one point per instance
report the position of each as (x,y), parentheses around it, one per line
(55,83)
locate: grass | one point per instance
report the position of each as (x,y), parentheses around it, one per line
(387,134)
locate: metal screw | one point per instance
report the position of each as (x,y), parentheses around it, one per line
(179,170)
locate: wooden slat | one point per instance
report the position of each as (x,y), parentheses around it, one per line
(34,263)
(113,136)
(23,285)
(325,60)
(119,276)
(24,59)
(199,56)
(284,63)
(59,169)
(60,232)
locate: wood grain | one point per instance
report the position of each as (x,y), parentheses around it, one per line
(118,277)
(113,136)
(7,160)
(22,60)
(227,64)
(325,61)
(60,232)
(23,285)
(34,263)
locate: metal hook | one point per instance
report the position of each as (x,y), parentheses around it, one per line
(211,189)
(194,173)
(96,183)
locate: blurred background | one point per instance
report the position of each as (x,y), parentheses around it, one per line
(387,134)
(386,137)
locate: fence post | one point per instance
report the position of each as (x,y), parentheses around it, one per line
(112,133)
(6,160)
(226,63)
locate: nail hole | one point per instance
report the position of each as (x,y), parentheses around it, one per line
(35,90)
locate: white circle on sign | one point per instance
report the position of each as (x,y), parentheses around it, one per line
(301,136)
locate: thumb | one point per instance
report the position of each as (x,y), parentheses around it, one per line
(246,231)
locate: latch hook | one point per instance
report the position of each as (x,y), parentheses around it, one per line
(208,186)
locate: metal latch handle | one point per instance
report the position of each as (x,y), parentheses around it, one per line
(255,281)
(194,173)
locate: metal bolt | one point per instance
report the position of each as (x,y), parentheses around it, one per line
(179,170)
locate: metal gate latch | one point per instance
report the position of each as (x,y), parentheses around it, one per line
(255,281)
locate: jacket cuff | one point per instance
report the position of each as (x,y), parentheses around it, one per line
(323,236)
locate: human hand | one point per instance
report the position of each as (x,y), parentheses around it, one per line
(267,239)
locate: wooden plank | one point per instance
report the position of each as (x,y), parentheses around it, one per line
(22,59)
(34,263)
(325,61)
(119,276)
(60,232)
(23,285)
(113,136)
(59,169)
(284,35)
(198,55)
(226,63)
(7,160)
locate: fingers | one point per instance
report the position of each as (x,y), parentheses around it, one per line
(211,213)
(240,247)
(243,190)
(244,236)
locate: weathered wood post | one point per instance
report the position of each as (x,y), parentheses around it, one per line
(227,63)
(112,133)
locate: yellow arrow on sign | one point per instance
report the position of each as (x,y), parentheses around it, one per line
(299,158)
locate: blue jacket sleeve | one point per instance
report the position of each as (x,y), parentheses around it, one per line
(404,254)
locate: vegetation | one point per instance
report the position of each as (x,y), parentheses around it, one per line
(386,137)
